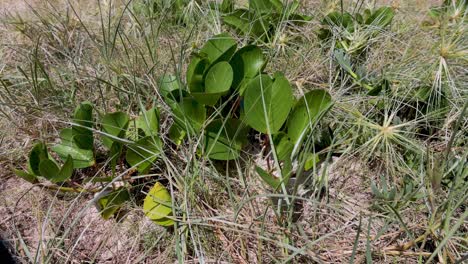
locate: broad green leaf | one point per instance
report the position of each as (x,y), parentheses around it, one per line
(271,180)
(307,112)
(311,160)
(114,124)
(83,124)
(267,103)
(158,205)
(283,146)
(189,114)
(84,141)
(168,84)
(247,62)
(195,72)
(224,139)
(48,169)
(238,20)
(66,137)
(82,158)
(144,152)
(218,80)
(65,172)
(219,48)
(25,175)
(148,122)
(177,134)
(37,154)
(111,203)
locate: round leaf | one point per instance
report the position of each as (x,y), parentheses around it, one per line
(114,124)
(37,154)
(219,48)
(48,169)
(307,112)
(267,103)
(158,205)
(144,152)
(224,139)
(148,122)
(248,62)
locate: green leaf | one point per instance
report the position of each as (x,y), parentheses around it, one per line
(195,72)
(247,62)
(114,124)
(48,169)
(148,122)
(224,139)
(158,205)
(311,160)
(168,83)
(267,103)
(219,48)
(82,158)
(83,124)
(177,134)
(218,80)
(189,114)
(144,152)
(307,112)
(37,154)
(25,175)
(283,146)
(271,180)
(111,203)
(66,171)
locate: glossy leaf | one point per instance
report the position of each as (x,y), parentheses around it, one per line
(148,122)
(189,114)
(196,70)
(307,112)
(224,139)
(177,134)
(25,175)
(143,153)
(48,169)
(82,158)
(114,124)
(247,63)
(219,48)
(158,205)
(271,180)
(218,81)
(168,84)
(37,154)
(53,173)
(83,124)
(267,103)
(283,146)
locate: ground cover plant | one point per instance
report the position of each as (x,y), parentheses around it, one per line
(257,131)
